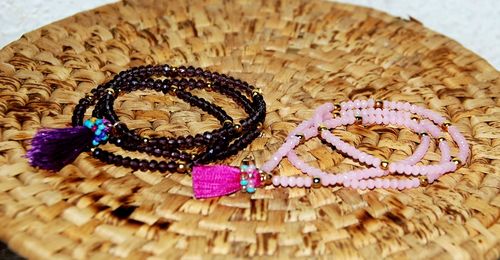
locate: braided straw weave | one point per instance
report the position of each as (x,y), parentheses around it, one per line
(302,54)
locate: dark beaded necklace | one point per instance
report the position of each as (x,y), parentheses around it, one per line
(218,144)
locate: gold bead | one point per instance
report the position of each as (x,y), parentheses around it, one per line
(336,106)
(322,127)
(260,126)
(379,104)
(92,149)
(456,161)
(173,89)
(173,68)
(247,161)
(265,177)
(415,118)
(256,91)
(227,121)
(110,91)
(424,134)
(445,125)
(89,97)
(336,114)
(441,139)
(316,183)
(359,120)
(145,140)
(182,168)
(237,127)
(301,138)
(423,181)
(384,165)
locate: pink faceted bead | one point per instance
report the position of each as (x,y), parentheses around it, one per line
(332,179)
(284,181)
(325,180)
(392,167)
(394,184)
(276,180)
(307,182)
(300,182)
(370,184)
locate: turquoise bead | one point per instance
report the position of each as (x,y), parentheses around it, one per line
(88,124)
(98,121)
(244,182)
(244,168)
(101,126)
(104,138)
(95,142)
(250,189)
(98,132)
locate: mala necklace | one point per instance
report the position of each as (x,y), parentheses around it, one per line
(54,148)
(219,180)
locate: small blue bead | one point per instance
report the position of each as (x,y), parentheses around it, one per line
(104,138)
(250,189)
(101,126)
(244,182)
(98,132)
(98,121)
(95,142)
(88,124)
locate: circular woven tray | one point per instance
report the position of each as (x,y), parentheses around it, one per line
(301,54)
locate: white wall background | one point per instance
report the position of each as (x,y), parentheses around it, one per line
(473,23)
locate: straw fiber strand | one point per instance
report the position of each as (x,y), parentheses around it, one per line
(302,54)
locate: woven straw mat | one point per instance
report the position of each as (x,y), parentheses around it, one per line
(302,54)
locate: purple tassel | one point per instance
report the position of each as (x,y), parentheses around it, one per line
(53,148)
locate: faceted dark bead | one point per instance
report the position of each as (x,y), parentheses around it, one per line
(153,165)
(126,161)
(190,71)
(97,152)
(171,166)
(143,165)
(174,154)
(180,141)
(157,152)
(162,166)
(118,160)
(199,140)
(163,141)
(165,153)
(134,164)
(189,141)
(172,142)
(207,136)
(184,157)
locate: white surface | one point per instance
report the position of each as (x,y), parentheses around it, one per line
(473,23)
(18,17)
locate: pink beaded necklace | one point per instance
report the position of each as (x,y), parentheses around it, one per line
(219,180)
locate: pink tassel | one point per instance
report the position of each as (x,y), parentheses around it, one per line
(219,180)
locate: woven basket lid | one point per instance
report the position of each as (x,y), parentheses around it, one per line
(302,54)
